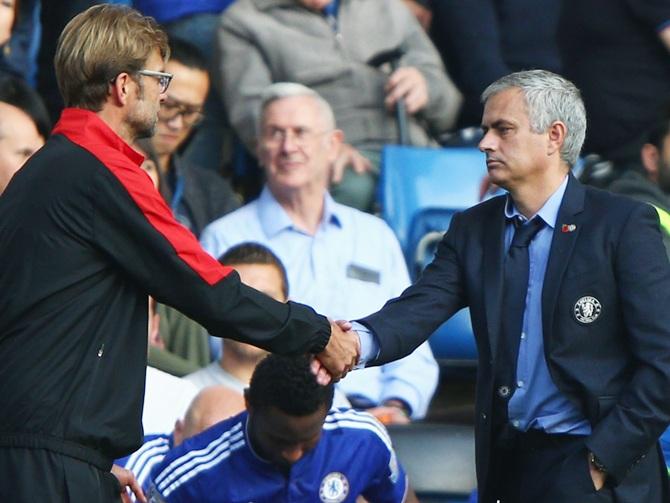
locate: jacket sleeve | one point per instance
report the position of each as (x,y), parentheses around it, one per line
(407,321)
(642,412)
(134,227)
(654,13)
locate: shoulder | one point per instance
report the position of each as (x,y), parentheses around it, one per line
(363,223)
(237,220)
(197,454)
(613,208)
(356,425)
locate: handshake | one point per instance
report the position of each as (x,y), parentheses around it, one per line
(340,355)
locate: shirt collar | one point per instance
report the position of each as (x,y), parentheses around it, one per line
(274,219)
(86,128)
(548,212)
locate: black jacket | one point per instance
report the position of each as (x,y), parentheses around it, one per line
(84,238)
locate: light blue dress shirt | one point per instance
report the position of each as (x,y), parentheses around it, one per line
(537,403)
(349,268)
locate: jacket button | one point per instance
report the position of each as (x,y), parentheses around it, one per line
(483,416)
(503,391)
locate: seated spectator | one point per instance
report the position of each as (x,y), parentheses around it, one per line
(327,248)
(258,268)
(197,196)
(24,125)
(652,183)
(287,446)
(211,405)
(335,48)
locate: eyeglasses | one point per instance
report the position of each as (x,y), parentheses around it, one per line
(163,78)
(171,108)
(301,136)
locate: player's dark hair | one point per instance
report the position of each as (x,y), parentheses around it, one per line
(255,253)
(288,384)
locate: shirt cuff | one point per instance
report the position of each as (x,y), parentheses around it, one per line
(369,344)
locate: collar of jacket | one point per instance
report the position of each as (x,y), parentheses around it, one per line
(85,128)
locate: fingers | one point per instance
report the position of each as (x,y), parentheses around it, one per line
(127,481)
(348,156)
(407,83)
(345,325)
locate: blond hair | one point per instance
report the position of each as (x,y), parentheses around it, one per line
(97,45)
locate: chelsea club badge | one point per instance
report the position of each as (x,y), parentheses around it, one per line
(334,488)
(587,309)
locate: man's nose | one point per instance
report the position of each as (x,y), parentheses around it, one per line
(487,143)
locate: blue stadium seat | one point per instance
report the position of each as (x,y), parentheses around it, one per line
(419,191)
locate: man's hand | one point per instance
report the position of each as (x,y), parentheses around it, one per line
(127,480)
(348,156)
(409,84)
(339,357)
(597,476)
(387,414)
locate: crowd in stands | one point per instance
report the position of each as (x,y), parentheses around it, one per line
(267,149)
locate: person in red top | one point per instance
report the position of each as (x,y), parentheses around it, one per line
(84,237)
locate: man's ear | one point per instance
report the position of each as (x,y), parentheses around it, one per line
(650,155)
(336,139)
(556,133)
(120,88)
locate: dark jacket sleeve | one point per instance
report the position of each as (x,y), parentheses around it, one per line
(134,227)
(407,321)
(642,410)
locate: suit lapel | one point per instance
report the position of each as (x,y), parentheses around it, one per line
(494,240)
(562,246)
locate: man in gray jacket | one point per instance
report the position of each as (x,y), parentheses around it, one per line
(334,47)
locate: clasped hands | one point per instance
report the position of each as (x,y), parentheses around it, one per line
(340,355)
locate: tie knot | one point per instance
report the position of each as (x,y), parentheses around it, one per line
(525,232)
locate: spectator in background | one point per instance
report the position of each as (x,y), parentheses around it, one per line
(340,260)
(24,125)
(208,407)
(331,46)
(651,184)
(288,446)
(196,196)
(618,53)
(258,268)
(261,269)
(211,144)
(482,40)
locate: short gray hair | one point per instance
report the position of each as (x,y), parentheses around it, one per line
(280,90)
(549,98)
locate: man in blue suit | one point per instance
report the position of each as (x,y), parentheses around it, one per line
(569,293)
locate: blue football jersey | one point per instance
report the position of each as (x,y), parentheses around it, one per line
(141,462)
(354,456)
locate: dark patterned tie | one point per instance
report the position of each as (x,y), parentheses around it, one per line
(515,289)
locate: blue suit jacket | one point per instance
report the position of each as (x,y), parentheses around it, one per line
(616,369)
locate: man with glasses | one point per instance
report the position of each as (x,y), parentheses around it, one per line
(340,260)
(84,239)
(197,196)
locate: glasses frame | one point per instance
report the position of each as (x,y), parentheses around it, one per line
(164,78)
(180,109)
